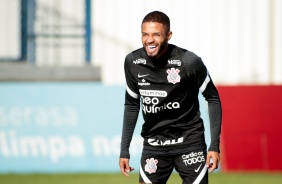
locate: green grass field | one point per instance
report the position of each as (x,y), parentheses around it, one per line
(215,178)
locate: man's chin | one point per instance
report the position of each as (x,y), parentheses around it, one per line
(152,55)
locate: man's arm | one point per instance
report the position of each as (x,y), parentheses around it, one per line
(196,67)
(215,114)
(211,95)
(131,111)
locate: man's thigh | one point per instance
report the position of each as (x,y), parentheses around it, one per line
(155,169)
(192,167)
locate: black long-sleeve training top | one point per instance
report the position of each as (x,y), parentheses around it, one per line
(168,91)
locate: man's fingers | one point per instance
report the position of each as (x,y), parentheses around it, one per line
(125,174)
(212,167)
(130,169)
(126,171)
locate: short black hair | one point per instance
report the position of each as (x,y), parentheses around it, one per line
(157,16)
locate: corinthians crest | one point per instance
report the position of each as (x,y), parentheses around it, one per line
(173,76)
(151,165)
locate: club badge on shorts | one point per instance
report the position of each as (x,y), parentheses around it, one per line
(151,165)
(173,76)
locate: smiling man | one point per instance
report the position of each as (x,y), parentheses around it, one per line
(155,37)
(165,80)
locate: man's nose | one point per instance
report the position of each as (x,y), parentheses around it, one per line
(150,39)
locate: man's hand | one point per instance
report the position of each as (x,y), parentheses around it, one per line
(124,166)
(215,158)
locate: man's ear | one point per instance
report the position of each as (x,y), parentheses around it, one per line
(169,35)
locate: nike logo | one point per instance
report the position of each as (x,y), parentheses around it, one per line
(139,76)
(197,170)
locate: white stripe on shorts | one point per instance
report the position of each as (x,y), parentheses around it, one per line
(201,175)
(144,177)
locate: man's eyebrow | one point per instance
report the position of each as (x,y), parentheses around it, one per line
(158,32)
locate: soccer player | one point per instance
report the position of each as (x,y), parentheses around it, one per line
(166,79)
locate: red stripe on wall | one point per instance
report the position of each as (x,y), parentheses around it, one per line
(251,129)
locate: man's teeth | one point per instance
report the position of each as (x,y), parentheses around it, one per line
(151,47)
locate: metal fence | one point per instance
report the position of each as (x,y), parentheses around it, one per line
(46,32)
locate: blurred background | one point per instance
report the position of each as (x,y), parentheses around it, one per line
(62,83)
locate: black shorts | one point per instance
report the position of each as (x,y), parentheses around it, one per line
(191,167)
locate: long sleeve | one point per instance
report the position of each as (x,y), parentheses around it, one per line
(215,114)
(130,116)
(211,95)
(196,68)
(131,109)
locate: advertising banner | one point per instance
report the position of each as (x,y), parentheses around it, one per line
(65,127)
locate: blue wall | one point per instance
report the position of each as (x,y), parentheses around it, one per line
(65,127)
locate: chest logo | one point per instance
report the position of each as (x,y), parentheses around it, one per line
(140,61)
(174,62)
(140,76)
(173,76)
